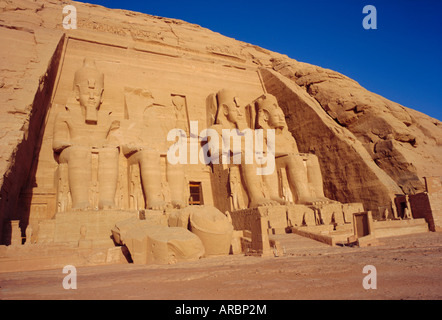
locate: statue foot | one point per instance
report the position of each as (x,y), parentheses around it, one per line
(306,201)
(263,202)
(177,204)
(106,205)
(157,205)
(316,201)
(324,200)
(280,200)
(79,206)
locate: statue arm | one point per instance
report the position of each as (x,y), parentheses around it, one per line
(129,134)
(61,139)
(215,143)
(112,137)
(129,149)
(293,144)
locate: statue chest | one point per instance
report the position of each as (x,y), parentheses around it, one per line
(85,134)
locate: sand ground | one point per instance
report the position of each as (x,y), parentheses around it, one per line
(407,267)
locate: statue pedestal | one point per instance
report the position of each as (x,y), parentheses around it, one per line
(83,228)
(257,221)
(264,221)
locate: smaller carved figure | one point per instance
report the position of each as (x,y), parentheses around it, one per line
(235,188)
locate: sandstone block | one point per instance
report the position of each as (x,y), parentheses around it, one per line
(332,213)
(235,245)
(179,218)
(149,243)
(350,208)
(213,228)
(276,215)
(298,215)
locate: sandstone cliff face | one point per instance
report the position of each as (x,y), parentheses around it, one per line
(403,142)
(28,65)
(372,148)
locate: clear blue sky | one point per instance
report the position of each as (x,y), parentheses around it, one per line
(400,60)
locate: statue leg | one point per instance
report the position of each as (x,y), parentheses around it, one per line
(298,179)
(314,175)
(253,186)
(315,178)
(176,178)
(272,183)
(79,171)
(150,168)
(107,177)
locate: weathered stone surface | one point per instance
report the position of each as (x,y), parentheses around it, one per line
(405,143)
(81,227)
(179,218)
(212,227)
(151,243)
(298,215)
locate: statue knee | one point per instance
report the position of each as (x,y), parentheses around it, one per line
(295,161)
(312,160)
(148,157)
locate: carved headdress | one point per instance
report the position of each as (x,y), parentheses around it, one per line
(264,106)
(87,73)
(217,108)
(88,78)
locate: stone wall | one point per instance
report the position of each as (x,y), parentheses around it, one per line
(422,208)
(29,66)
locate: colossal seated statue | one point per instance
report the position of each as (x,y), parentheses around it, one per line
(305,180)
(230,115)
(143,147)
(82,130)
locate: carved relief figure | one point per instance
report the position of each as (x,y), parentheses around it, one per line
(386,214)
(407,210)
(179,103)
(235,188)
(305,180)
(82,130)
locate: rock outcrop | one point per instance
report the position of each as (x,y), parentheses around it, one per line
(403,142)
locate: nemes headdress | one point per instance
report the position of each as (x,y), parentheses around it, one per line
(225,96)
(263,106)
(87,73)
(266,102)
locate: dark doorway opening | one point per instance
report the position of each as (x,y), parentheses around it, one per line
(196,194)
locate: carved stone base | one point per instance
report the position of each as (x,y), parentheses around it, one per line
(257,220)
(82,228)
(262,221)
